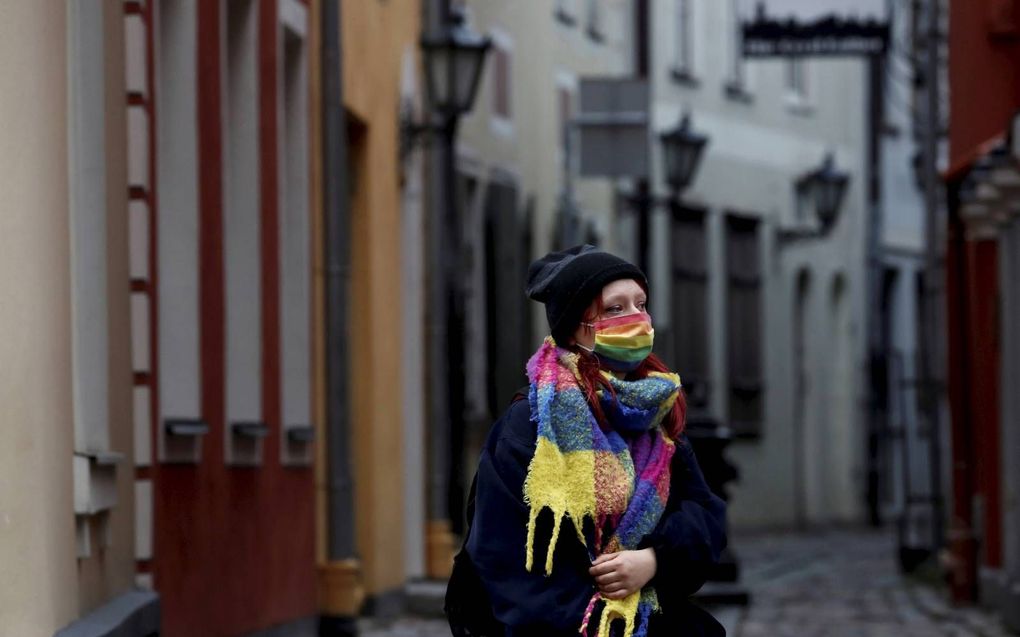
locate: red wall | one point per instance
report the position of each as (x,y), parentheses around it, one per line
(983,388)
(984,76)
(984,73)
(234,546)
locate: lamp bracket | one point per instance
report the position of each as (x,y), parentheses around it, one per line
(413,133)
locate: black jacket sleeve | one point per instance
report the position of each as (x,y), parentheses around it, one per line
(691,534)
(528,603)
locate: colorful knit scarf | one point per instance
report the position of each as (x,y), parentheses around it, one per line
(580,471)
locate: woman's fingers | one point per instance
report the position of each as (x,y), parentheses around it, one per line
(605,557)
(618,593)
(608,578)
(602,567)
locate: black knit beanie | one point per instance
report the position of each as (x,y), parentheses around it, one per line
(567,282)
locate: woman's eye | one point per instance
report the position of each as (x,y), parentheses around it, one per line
(614,309)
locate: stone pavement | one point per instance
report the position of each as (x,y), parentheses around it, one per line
(842,583)
(836,583)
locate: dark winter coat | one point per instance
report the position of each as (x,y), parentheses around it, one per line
(688,539)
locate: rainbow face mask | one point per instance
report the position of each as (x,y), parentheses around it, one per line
(623,342)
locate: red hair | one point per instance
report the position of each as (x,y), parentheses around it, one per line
(592,379)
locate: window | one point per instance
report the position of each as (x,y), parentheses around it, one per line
(565,107)
(689,305)
(796,78)
(565,112)
(502,83)
(505,264)
(594,20)
(683,55)
(737,83)
(798,85)
(743,311)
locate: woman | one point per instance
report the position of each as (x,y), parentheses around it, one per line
(589,512)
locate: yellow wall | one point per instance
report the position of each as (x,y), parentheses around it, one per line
(375,35)
(37,546)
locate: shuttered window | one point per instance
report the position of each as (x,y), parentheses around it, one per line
(689,306)
(743,312)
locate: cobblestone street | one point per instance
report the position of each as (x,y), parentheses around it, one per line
(842,583)
(823,584)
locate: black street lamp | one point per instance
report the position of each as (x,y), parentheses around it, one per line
(828,186)
(825,187)
(453,59)
(681,152)
(682,149)
(453,65)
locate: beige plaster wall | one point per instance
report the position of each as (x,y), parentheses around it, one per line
(38,577)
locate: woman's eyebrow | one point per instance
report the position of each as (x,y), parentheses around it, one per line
(620,298)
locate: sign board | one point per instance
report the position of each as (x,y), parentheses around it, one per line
(613,127)
(789,28)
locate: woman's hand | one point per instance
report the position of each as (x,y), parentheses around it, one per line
(618,575)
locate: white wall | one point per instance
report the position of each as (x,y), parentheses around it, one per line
(242,215)
(177,229)
(547,53)
(902,244)
(295,229)
(761,141)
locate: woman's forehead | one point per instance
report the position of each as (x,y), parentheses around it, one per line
(622,288)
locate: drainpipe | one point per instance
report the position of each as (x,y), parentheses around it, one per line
(340,589)
(934,371)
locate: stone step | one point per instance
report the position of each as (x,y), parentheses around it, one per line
(425,598)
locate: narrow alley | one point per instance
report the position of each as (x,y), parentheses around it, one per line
(841,583)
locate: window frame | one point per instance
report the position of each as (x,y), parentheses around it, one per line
(797,84)
(683,65)
(738,82)
(502,59)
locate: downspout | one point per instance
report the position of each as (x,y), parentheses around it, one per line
(340,591)
(877,354)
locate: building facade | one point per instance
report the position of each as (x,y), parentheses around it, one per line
(68,471)
(768,332)
(220,214)
(380,70)
(519,189)
(906,481)
(982,192)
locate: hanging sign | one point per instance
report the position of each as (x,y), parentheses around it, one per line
(613,127)
(792,28)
